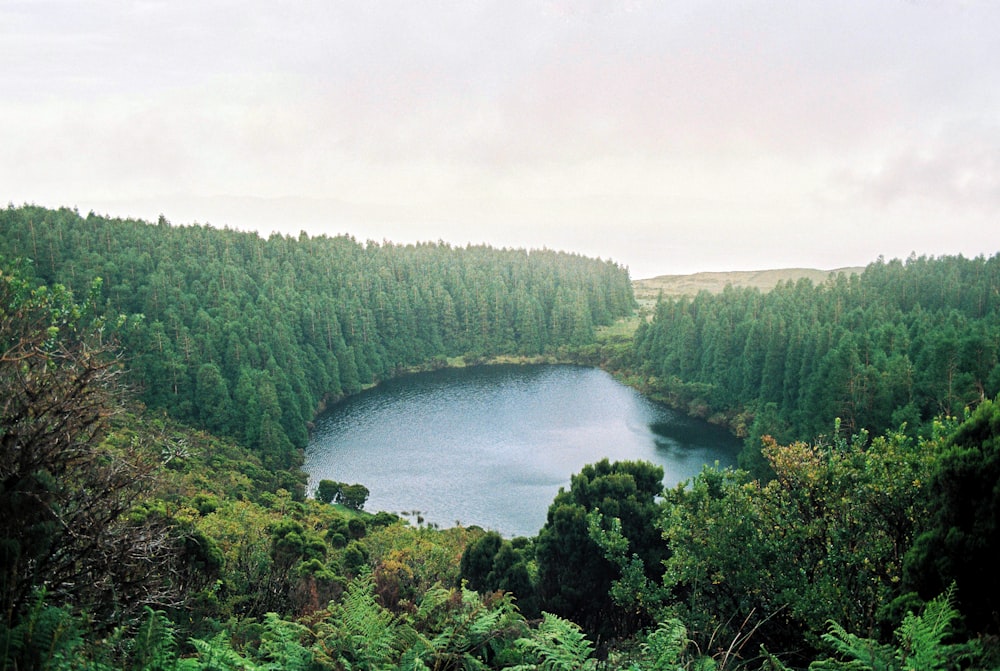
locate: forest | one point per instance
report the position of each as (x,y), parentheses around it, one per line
(158,382)
(247,337)
(900,344)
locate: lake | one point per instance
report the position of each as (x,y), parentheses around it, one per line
(492,445)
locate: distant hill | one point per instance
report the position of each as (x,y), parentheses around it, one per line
(646,291)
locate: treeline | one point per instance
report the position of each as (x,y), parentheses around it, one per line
(247,337)
(899,343)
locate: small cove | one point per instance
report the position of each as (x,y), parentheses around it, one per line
(491,445)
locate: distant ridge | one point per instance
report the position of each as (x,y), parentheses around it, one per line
(647,290)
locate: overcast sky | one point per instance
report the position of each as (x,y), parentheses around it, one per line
(673,137)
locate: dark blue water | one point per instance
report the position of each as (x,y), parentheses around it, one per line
(491,445)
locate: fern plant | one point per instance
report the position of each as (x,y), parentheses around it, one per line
(665,646)
(359,633)
(556,645)
(861,653)
(466,633)
(154,645)
(281,645)
(217,654)
(47,637)
(921,643)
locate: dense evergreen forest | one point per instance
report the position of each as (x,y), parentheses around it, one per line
(247,337)
(901,343)
(157,382)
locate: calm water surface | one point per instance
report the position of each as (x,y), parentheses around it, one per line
(492,445)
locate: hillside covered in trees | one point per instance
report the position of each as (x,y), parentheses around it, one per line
(152,515)
(900,343)
(247,337)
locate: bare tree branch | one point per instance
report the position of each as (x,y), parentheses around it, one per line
(65,491)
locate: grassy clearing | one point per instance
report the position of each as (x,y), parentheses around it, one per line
(621,329)
(647,290)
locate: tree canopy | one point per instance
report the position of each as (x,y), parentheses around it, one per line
(248,337)
(901,343)
(960,544)
(574,575)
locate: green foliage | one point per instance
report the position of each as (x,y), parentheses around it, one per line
(408,561)
(478,559)
(575,574)
(248,337)
(327,490)
(154,646)
(556,645)
(361,633)
(281,645)
(920,645)
(961,541)
(446,629)
(66,481)
(633,591)
(665,645)
(47,637)
(822,541)
(217,654)
(901,342)
(461,630)
(491,563)
(355,556)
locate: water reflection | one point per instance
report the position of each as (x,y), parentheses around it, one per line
(491,446)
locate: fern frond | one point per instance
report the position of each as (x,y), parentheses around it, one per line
(771,662)
(360,632)
(412,660)
(663,647)
(154,643)
(48,637)
(217,654)
(486,622)
(921,637)
(556,645)
(462,634)
(921,643)
(863,653)
(432,599)
(281,645)
(837,665)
